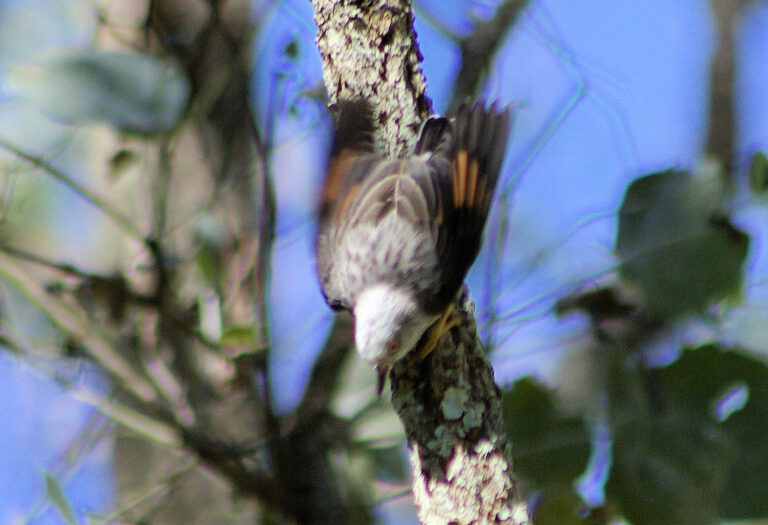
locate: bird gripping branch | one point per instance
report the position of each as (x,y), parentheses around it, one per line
(396,237)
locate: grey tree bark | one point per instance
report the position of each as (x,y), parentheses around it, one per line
(448,403)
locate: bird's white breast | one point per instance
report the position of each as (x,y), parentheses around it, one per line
(389,251)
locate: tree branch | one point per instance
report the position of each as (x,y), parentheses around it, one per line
(478,49)
(721,130)
(369,51)
(449,404)
(451,409)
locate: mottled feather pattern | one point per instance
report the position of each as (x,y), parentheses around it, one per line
(366,255)
(415,222)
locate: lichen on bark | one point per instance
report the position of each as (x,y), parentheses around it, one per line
(448,403)
(368,50)
(451,409)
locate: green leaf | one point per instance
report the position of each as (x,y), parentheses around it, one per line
(239,335)
(758,175)
(696,383)
(211,237)
(690,460)
(674,244)
(55,493)
(133,93)
(209,262)
(561,506)
(668,469)
(548,447)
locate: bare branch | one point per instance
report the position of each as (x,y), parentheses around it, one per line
(478,49)
(368,51)
(721,131)
(64,316)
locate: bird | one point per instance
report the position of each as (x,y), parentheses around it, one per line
(397,236)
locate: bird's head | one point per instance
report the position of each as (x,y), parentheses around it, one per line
(388,324)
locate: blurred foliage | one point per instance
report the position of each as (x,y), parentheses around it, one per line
(676,246)
(133,93)
(691,460)
(668,466)
(700,384)
(550,449)
(687,439)
(758,175)
(548,446)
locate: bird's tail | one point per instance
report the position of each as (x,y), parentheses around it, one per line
(480,137)
(353,127)
(436,137)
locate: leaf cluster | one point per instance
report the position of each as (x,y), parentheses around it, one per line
(686,439)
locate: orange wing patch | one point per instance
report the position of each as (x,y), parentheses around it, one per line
(474,168)
(344,208)
(337,170)
(459,178)
(467,183)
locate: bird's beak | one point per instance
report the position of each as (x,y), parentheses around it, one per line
(382,372)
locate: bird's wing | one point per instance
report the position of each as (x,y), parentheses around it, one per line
(445,187)
(466,173)
(351,159)
(362,188)
(352,153)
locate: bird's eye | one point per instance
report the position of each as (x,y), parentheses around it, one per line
(393,345)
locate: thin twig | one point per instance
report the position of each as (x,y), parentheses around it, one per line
(74,323)
(163,486)
(121,220)
(24,255)
(142,424)
(479,47)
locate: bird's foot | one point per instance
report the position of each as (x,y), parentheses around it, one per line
(447,321)
(444,324)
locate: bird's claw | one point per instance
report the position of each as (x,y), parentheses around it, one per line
(447,321)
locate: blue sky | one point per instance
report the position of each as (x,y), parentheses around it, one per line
(605,91)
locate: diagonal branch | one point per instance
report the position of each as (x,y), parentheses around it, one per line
(324,375)
(121,220)
(449,405)
(64,316)
(478,49)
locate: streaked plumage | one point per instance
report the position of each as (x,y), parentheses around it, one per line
(396,237)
